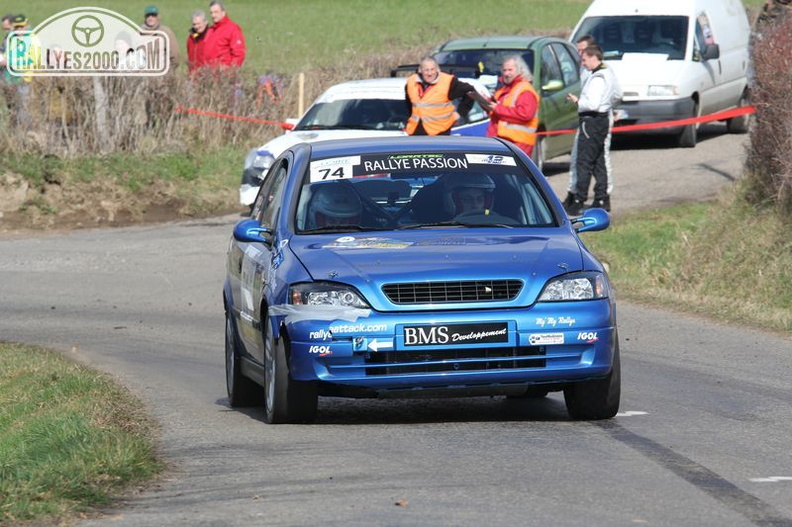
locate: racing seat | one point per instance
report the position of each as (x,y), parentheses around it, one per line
(427,204)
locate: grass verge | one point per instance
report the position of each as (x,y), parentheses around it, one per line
(70,438)
(119,189)
(725,260)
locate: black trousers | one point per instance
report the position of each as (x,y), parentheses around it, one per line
(591,155)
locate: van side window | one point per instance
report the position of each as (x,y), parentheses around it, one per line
(704,35)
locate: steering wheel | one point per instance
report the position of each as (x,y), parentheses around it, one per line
(482,217)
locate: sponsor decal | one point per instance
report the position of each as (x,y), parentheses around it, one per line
(350,242)
(413,162)
(322,334)
(357,328)
(87,41)
(322,351)
(545,339)
(488,159)
(588,336)
(554,321)
(451,334)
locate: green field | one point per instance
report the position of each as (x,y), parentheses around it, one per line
(288,37)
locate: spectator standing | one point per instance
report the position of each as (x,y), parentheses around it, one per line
(196,41)
(7,25)
(429,95)
(580,44)
(595,110)
(514,110)
(151,22)
(225,43)
(17,90)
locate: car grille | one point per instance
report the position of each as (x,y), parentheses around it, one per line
(448,292)
(451,360)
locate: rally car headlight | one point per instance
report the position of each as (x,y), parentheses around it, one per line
(326,294)
(258,160)
(575,286)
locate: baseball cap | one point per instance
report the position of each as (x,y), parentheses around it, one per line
(151,10)
(19,21)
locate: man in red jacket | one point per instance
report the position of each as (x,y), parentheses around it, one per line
(514,109)
(225,44)
(196,41)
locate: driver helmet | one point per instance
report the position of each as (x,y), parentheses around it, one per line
(469,192)
(335,204)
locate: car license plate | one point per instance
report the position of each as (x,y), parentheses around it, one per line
(456,334)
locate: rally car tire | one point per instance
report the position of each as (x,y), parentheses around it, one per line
(241,390)
(285,400)
(597,399)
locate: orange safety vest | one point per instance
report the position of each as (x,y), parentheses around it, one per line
(518,133)
(430,105)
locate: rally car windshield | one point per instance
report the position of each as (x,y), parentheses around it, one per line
(419,191)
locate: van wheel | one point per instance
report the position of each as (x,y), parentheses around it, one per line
(689,135)
(741,124)
(538,154)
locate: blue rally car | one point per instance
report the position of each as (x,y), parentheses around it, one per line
(415,266)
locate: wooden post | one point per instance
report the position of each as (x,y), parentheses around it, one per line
(301,102)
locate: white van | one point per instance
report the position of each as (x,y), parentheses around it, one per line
(674,59)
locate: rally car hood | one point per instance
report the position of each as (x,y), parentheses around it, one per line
(368,261)
(281,143)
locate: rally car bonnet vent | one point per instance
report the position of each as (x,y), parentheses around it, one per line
(448,292)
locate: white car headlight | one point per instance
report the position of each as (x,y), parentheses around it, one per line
(657,90)
(576,286)
(262,160)
(326,294)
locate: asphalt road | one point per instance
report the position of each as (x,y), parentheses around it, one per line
(703,437)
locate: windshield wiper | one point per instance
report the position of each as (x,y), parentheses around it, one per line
(341,228)
(344,126)
(451,224)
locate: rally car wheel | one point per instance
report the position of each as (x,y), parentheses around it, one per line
(598,399)
(241,390)
(285,400)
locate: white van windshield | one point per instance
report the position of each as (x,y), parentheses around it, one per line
(617,35)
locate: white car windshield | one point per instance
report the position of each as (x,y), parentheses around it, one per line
(355,114)
(617,35)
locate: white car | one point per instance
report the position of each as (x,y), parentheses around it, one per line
(360,108)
